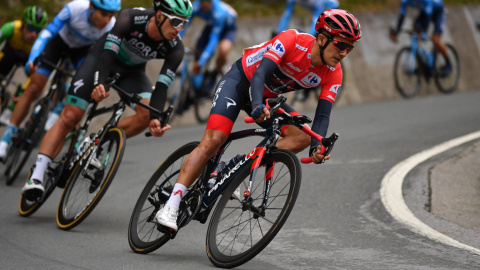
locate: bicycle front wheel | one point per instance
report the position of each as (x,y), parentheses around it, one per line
(407,73)
(236,234)
(447,84)
(85,188)
(143,236)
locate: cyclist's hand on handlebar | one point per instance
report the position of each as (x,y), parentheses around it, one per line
(260,113)
(317,157)
(196,68)
(99,93)
(156,129)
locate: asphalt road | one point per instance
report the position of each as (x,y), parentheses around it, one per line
(338,221)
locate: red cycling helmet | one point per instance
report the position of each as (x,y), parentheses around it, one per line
(339,22)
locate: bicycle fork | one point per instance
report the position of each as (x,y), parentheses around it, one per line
(257,154)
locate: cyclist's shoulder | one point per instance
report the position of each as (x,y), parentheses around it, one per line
(10,27)
(296,36)
(77,6)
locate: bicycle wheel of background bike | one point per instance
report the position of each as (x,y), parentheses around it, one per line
(203,105)
(143,236)
(235,235)
(447,84)
(22,147)
(407,82)
(27,207)
(82,194)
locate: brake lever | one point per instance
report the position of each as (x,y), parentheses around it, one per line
(328,148)
(164,118)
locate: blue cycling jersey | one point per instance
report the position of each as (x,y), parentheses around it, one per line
(316,6)
(220,17)
(73,26)
(427,6)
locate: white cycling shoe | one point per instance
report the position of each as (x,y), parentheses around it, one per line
(3,150)
(33,189)
(167,216)
(5,117)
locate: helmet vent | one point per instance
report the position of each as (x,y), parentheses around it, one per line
(332,23)
(343,22)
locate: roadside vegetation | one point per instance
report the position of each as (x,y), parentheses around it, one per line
(12,9)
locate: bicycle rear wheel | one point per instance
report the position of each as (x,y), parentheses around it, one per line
(23,145)
(235,234)
(143,236)
(407,73)
(447,84)
(83,192)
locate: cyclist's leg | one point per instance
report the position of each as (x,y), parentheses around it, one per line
(77,101)
(227,41)
(226,106)
(201,44)
(439,17)
(293,139)
(137,83)
(39,79)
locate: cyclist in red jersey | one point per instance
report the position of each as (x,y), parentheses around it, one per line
(291,61)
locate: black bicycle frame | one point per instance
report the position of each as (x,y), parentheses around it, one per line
(251,160)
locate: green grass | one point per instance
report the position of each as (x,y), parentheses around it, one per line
(12,9)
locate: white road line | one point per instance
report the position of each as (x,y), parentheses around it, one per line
(392,197)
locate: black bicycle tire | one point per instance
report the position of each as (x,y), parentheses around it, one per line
(135,243)
(13,157)
(34,133)
(397,80)
(66,223)
(457,80)
(221,260)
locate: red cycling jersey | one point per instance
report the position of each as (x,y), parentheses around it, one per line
(291,51)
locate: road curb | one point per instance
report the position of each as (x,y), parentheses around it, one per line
(392,195)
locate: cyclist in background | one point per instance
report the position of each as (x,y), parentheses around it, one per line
(291,61)
(430,11)
(71,32)
(139,35)
(19,36)
(316,6)
(219,32)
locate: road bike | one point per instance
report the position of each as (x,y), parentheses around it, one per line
(182,94)
(28,137)
(240,226)
(414,62)
(88,164)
